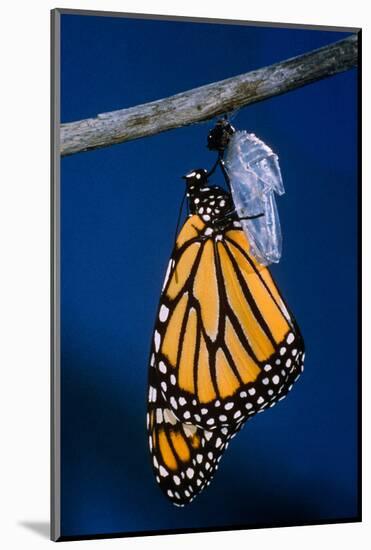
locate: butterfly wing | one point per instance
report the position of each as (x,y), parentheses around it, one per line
(225,345)
(184,456)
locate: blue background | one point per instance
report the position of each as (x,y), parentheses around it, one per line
(119,205)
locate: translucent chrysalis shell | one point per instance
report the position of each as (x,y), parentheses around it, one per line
(255,176)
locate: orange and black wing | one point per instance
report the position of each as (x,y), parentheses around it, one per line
(184,456)
(225,345)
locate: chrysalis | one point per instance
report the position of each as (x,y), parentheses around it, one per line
(255,176)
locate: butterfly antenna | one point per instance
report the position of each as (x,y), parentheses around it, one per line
(177,227)
(214,166)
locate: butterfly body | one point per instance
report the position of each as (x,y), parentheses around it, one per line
(211,203)
(225,346)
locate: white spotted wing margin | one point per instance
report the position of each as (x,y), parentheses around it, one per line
(184,456)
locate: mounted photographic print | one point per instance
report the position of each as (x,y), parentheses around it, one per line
(205,239)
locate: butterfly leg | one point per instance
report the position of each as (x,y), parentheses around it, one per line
(233,213)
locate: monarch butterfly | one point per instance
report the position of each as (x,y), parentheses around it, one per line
(225,345)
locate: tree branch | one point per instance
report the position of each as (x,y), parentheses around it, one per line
(208,101)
